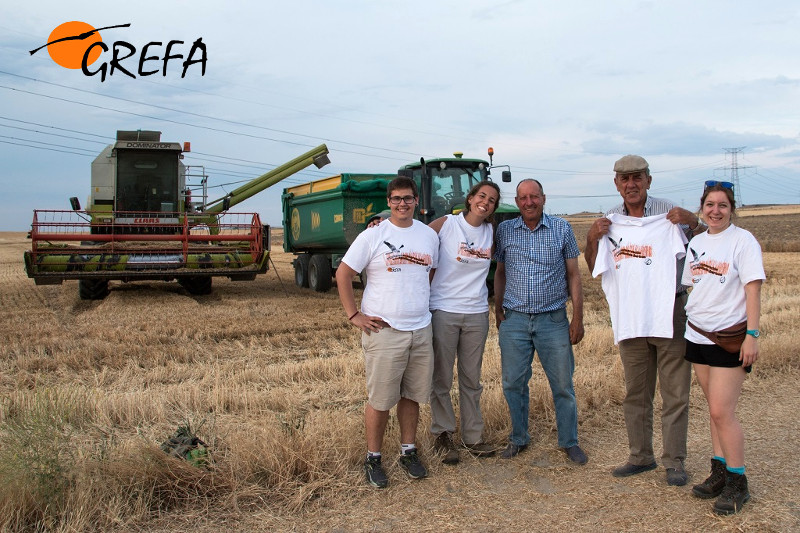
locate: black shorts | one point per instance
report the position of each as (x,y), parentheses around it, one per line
(712,355)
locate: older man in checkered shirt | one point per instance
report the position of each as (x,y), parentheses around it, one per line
(537,272)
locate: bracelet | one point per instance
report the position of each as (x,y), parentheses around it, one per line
(351,316)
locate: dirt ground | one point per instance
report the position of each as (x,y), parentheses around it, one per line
(540,491)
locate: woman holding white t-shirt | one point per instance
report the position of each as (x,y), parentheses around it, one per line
(725,269)
(460,319)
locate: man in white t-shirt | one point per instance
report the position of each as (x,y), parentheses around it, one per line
(654,352)
(397,256)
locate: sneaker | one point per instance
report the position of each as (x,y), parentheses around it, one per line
(734,495)
(713,485)
(481,449)
(375,474)
(444,445)
(410,462)
(576,455)
(630,469)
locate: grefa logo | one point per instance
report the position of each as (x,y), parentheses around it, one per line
(77,45)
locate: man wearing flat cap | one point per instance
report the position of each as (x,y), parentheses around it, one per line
(641,259)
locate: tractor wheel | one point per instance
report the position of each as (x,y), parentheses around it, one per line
(196,285)
(301,264)
(319,273)
(92,289)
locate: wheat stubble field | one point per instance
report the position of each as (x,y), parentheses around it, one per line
(271,377)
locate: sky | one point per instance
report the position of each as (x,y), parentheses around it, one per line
(560,90)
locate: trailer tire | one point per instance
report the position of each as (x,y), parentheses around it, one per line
(319,273)
(92,289)
(301,264)
(196,285)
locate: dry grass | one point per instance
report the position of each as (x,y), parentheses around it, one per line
(273,377)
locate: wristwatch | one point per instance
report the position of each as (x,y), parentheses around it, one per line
(754,332)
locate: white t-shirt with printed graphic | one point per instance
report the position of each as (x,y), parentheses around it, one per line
(637,261)
(465,254)
(397,262)
(718,267)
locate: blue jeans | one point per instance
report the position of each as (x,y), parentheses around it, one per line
(548,334)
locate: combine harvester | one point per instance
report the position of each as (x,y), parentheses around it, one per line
(148,219)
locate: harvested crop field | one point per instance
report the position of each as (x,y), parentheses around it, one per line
(271,378)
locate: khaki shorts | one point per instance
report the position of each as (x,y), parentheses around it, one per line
(399,364)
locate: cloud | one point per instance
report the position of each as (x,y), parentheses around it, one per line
(676,139)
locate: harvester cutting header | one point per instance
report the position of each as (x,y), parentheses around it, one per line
(149,218)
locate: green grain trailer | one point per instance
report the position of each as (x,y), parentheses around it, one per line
(322,218)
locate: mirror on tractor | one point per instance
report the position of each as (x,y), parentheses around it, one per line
(75,203)
(506,176)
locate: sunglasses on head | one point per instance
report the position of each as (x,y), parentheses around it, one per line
(726,184)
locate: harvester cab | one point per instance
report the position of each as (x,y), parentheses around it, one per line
(137,180)
(142,222)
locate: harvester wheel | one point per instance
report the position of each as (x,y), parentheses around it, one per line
(92,289)
(319,273)
(301,264)
(196,285)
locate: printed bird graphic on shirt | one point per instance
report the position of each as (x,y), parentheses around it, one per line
(396,256)
(712,267)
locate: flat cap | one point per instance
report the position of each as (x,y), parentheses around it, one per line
(630,164)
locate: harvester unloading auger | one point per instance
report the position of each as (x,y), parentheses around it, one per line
(147,221)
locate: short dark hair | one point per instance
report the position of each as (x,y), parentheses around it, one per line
(537,182)
(401,182)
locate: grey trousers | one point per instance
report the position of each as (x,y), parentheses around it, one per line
(644,359)
(461,336)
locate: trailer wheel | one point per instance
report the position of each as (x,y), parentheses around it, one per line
(92,289)
(319,273)
(196,285)
(301,264)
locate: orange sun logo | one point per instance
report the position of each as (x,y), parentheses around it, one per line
(67,44)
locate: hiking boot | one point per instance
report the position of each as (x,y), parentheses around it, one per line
(375,474)
(444,444)
(676,476)
(630,469)
(734,495)
(481,449)
(410,462)
(713,485)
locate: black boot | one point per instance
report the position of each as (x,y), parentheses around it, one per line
(713,485)
(734,495)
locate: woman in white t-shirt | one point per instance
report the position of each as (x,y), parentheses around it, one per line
(460,319)
(725,270)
